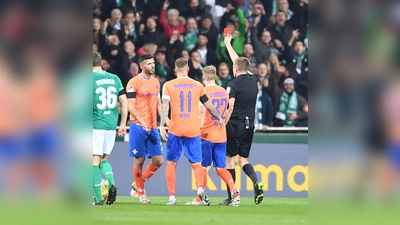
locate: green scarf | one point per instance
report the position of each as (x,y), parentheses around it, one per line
(159,70)
(190,40)
(298,59)
(287,106)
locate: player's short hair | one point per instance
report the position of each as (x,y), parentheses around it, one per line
(181,63)
(209,72)
(96,59)
(144,57)
(242,64)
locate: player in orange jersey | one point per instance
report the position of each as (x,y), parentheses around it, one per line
(183,95)
(213,136)
(143,92)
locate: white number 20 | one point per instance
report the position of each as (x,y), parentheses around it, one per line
(108,98)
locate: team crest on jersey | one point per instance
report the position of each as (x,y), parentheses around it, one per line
(131,89)
(228,89)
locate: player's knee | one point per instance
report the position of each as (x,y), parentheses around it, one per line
(158,162)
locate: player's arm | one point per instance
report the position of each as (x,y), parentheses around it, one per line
(210,108)
(124,112)
(202,114)
(164,116)
(231,51)
(131,95)
(229,110)
(159,104)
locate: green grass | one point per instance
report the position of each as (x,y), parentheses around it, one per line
(128,210)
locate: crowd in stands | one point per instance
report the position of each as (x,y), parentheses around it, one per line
(272,34)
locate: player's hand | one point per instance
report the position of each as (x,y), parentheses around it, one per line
(221,122)
(145,127)
(122,130)
(163,133)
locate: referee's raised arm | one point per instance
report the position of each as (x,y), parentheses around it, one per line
(239,120)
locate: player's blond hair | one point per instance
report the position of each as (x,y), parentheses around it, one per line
(181,63)
(209,72)
(242,64)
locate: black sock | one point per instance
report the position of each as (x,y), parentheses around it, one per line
(233,173)
(249,170)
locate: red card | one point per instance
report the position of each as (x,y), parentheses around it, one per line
(227,30)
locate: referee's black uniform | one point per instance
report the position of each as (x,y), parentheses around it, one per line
(240,128)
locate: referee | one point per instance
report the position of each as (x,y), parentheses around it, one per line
(240,114)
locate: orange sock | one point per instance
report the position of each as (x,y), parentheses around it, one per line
(226,177)
(137,175)
(198,174)
(204,177)
(150,170)
(171,178)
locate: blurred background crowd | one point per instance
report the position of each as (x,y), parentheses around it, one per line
(273,34)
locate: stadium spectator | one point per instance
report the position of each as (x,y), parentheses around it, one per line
(292,109)
(98,37)
(185,54)
(195,9)
(260,15)
(281,30)
(162,69)
(175,47)
(264,108)
(195,66)
(129,48)
(169,21)
(192,31)
(238,35)
(248,52)
(134,69)
(263,47)
(262,71)
(113,25)
(150,34)
(209,29)
(224,75)
(131,26)
(298,56)
(207,53)
(149,48)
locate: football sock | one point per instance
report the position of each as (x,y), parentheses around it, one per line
(249,170)
(137,174)
(198,174)
(97,183)
(106,168)
(204,177)
(171,178)
(226,177)
(149,171)
(233,174)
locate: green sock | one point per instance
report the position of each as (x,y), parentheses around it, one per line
(97,183)
(106,168)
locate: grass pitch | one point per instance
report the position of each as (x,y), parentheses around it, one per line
(128,210)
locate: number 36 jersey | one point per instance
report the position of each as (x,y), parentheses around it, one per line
(106,88)
(211,130)
(184,94)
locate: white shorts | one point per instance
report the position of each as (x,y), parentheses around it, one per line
(103,141)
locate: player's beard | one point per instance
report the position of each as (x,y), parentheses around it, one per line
(149,72)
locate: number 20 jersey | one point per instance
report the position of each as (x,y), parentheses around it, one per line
(211,130)
(106,88)
(184,94)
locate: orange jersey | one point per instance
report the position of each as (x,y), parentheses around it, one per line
(147,95)
(211,130)
(184,94)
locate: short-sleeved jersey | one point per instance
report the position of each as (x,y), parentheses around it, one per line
(106,88)
(147,95)
(211,130)
(244,89)
(184,94)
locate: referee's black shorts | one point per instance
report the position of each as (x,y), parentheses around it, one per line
(239,139)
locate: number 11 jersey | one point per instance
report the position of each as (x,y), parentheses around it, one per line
(184,94)
(106,88)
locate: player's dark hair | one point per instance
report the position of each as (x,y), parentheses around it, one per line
(96,59)
(144,57)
